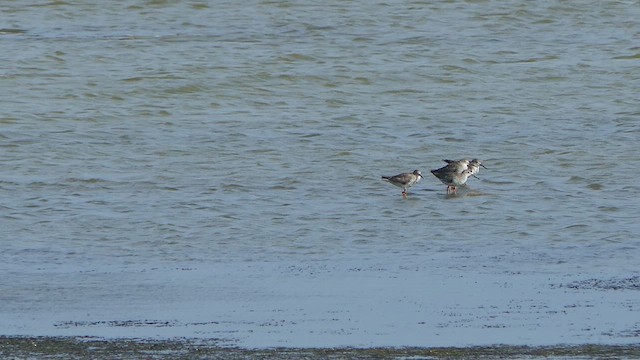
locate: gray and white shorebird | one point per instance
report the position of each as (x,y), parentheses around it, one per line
(474,166)
(465,164)
(457,165)
(404,180)
(450,177)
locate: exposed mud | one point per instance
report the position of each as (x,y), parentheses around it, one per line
(630,283)
(84,348)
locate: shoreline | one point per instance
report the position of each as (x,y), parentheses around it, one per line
(336,304)
(127,348)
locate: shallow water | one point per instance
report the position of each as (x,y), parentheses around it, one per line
(152,148)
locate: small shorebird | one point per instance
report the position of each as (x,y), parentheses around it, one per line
(452,178)
(474,166)
(465,164)
(457,165)
(404,180)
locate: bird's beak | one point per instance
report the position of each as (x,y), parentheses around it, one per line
(475,177)
(483,166)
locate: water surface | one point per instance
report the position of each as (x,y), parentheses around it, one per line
(160,152)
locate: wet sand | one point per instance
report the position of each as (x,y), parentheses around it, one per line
(83,348)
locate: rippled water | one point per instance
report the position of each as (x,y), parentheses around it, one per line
(152,134)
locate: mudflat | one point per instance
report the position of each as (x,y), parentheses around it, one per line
(82,348)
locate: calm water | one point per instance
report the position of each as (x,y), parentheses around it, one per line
(157,134)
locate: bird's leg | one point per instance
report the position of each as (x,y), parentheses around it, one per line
(404,194)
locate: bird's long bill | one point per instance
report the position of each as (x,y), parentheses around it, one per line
(483,166)
(475,177)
